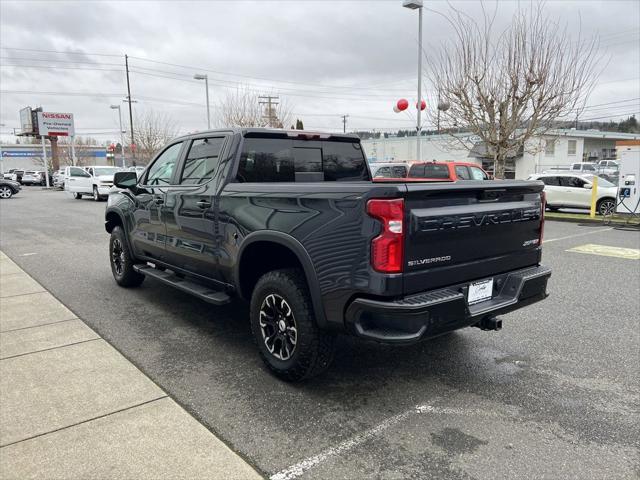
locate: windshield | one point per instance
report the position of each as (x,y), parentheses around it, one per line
(105,171)
(602,182)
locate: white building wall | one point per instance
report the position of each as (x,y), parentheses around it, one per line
(535,158)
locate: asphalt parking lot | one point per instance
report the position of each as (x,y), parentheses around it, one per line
(555,394)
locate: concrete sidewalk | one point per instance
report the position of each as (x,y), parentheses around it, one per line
(72,407)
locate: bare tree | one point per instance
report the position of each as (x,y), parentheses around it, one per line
(241,108)
(505,87)
(153,130)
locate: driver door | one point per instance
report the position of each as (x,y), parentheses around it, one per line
(148,235)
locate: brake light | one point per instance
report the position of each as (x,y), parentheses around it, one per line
(543,206)
(387,249)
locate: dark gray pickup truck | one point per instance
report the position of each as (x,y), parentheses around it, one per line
(291,222)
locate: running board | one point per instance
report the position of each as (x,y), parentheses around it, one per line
(203,292)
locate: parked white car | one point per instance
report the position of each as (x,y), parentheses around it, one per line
(32,177)
(608,167)
(584,167)
(94,180)
(568,190)
(58,178)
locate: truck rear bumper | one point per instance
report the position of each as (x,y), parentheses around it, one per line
(432,313)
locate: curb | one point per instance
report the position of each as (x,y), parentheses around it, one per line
(587,219)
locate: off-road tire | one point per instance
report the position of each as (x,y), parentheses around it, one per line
(122,267)
(314,348)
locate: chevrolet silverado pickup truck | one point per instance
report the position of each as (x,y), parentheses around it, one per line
(291,222)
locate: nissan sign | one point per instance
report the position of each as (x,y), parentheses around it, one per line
(55,124)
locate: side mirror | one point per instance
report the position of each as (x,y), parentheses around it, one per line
(588,186)
(125,179)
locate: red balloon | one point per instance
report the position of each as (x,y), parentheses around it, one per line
(423,105)
(402,104)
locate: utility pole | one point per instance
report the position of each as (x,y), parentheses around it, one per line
(269,102)
(133,150)
(344,123)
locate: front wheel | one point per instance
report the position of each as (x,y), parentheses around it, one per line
(284,327)
(96,195)
(122,261)
(606,206)
(6,192)
(77,196)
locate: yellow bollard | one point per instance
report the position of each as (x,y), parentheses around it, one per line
(594,197)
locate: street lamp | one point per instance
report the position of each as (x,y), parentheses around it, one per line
(413,5)
(114,107)
(199,76)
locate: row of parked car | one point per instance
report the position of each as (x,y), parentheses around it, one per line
(565,187)
(436,171)
(94,180)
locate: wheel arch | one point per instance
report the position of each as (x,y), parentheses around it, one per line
(274,250)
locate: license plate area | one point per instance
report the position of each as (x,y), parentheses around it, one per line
(480,291)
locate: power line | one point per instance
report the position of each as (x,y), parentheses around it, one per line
(61,52)
(80,62)
(53,67)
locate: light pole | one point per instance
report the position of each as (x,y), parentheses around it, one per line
(413,5)
(199,76)
(114,107)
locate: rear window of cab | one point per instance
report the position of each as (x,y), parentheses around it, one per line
(287,160)
(429,170)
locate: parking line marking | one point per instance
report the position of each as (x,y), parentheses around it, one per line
(607,251)
(576,235)
(299,468)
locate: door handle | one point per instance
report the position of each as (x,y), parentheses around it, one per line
(203,204)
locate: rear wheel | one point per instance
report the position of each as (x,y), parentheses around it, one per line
(284,327)
(606,206)
(122,261)
(96,195)
(6,192)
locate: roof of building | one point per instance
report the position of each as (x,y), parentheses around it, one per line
(572,132)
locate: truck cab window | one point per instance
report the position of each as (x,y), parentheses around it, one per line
(202,161)
(283,160)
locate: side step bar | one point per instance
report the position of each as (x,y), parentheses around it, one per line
(203,292)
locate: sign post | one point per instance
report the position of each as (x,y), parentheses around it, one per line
(44,158)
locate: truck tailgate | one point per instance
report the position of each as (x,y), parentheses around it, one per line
(469,230)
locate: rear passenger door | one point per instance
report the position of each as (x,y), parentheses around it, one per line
(191,208)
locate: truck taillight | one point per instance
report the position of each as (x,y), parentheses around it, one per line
(543,206)
(387,249)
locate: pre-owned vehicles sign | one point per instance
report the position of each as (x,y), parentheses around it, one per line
(55,124)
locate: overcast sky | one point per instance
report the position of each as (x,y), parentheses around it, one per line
(324,58)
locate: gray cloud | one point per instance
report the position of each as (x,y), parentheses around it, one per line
(343,57)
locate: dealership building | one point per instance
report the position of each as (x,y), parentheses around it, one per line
(556,148)
(29,156)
